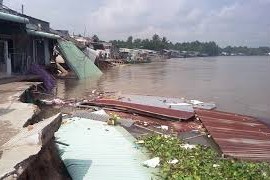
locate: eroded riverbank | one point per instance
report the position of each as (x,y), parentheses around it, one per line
(235,84)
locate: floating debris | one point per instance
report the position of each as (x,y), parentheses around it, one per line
(153,163)
(188,146)
(77,60)
(174,161)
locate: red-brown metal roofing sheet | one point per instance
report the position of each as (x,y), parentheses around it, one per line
(239,136)
(146,110)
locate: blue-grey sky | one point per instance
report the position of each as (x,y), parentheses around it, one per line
(228,22)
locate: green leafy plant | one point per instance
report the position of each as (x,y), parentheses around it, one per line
(200,162)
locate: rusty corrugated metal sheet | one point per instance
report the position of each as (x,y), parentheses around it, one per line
(178,126)
(164,113)
(238,136)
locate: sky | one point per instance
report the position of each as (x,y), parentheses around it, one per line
(227,22)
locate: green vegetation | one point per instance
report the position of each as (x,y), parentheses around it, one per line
(246,51)
(158,43)
(200,162)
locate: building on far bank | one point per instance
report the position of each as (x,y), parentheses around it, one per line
(24,40)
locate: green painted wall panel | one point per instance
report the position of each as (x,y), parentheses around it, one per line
(78,61)
(99,151)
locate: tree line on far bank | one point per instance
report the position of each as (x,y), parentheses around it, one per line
(158,43)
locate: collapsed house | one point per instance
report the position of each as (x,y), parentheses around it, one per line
(136,55)
(24,41)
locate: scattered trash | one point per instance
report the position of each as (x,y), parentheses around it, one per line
(139,142)
(164,127)
(166,136)
(188,146)
(215,165)
(113,120)
(174,161)
(195,102)
(153,163)
(145,124)
(53,102)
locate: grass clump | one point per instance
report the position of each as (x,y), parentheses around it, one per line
(200,162)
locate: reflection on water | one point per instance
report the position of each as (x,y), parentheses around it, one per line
(236,84)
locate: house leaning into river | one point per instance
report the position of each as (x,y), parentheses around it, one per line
(24,41)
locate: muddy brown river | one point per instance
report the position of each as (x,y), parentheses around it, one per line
(235,84)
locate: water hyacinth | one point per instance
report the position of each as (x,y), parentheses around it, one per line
(199,162)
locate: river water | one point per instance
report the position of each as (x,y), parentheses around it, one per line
(235,84)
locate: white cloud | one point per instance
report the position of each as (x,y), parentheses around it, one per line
(236,22)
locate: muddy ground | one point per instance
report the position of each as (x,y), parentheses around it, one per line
(47,165)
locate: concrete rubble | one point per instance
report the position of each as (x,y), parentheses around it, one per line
(20,145)
(11,108)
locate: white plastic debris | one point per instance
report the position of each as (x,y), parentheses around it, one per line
(188,146)
(153,163)
(140,142)
(215,165)
(196,102)
(164,127)
(54,101)
(58,101)
(47,102)
(166,136)
(174,161)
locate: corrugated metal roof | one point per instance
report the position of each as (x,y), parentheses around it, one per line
(13,18)
(98,151)
(164,102)
(42,34)
(165,113)
(237,135)
(78,61)
(167,102)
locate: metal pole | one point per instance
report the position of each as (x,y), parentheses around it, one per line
(22,9)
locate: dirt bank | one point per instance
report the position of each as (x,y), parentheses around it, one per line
(47,165)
